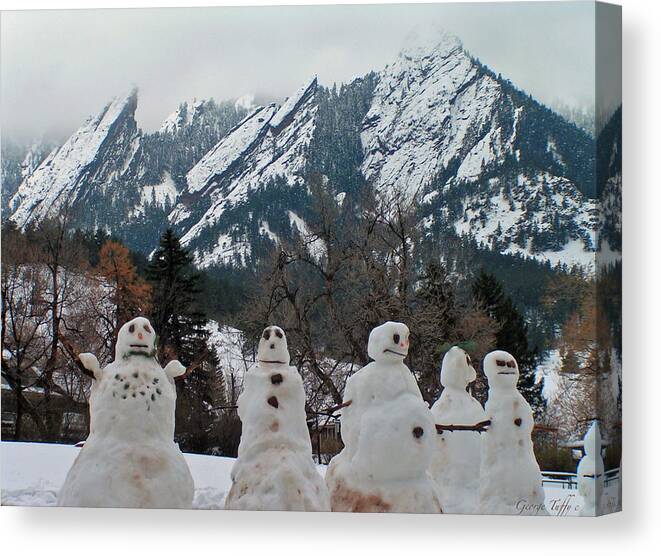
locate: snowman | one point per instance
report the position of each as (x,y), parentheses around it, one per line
(456,463)
(590,473)
(275,470)
(510,479)
(129,459)
(388,433)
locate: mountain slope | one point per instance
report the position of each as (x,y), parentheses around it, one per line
(91,163)
(484,160)
(267,147)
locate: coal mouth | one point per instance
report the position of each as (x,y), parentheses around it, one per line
(506,373)
(139,346)
(395,352)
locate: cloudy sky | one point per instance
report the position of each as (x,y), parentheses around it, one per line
(59,67)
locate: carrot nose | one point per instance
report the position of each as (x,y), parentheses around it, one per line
(139,335)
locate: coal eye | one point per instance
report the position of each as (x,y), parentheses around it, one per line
(511,364)
(395,338)
(147,329)
(500,363)
(278,333)
(267,334)
(132,328)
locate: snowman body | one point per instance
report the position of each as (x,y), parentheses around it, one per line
(129,459)
(455,464)
(590,473)
(388,433)
(275,470)
(510,478)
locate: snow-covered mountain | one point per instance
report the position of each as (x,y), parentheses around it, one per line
(484,161)
(483,158)
(89,169)
(268,146)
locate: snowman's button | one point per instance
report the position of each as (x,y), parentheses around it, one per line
(418,432)
(517,421)
(276,378)
(273,401)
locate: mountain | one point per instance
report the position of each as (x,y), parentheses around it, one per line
(266,150)
(484,159)
(486,163)
(89,169)
(18,162)
(109,174)
(609,187)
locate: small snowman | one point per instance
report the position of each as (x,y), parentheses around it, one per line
(590,472)
(388,433)
(510,479)
(456,463)
(382,380)
(129,459)
(275,470)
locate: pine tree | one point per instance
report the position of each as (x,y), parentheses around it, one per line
(512,335)
(181,325)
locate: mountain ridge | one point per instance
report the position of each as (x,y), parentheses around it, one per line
(485,160)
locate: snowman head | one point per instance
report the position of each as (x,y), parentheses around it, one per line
(273,346)
(592,440)
(501,369)
(457,370)
(389,343)
(136,339)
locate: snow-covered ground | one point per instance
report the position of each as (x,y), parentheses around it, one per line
(32,473)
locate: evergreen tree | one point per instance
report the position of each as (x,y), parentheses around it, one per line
(181,325)
(512,335)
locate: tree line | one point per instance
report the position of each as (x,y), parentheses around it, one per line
(67,291)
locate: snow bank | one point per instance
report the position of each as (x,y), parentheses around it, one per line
(32,474)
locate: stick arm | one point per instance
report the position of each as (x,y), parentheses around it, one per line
(480,427)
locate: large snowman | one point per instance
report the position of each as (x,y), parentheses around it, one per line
(590,473)
(456,463)
(129,459)
(388,433)
(510,479)
(275,470)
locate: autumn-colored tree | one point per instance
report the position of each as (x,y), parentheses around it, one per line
(587,388)
(129,294)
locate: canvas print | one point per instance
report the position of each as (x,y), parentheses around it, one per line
(313,258)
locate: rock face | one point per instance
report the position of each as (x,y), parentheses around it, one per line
(481,157)
(483,160)
(89,168)
(268,146)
